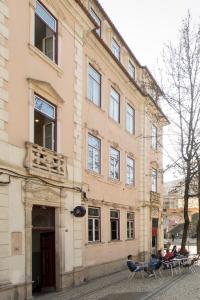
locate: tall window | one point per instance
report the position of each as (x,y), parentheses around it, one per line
(154,137)
(44,123)
(97,20)
(131,70)
(94,86)
(114,163)
(115,49)
(115,224)
(130,225)
(154,180)
(130,171)
(130,119)
(94,225)
(45,32)
(94,154)
(115,105)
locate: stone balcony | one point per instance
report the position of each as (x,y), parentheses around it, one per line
(155,198)
(43,162)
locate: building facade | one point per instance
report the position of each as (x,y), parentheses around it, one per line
(80,125)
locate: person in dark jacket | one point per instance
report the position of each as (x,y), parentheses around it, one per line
(131,265)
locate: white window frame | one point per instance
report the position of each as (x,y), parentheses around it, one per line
(97,20)
(130,225)
(114,110)
(114,164)
(117,219)
(154,180)
(130,119)
(94,80)
(131,69)
(95,151)
(115,49)
(130,171)
(154,137)
(94,218)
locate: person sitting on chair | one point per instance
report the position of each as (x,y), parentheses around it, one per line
(131,265)
(168,256)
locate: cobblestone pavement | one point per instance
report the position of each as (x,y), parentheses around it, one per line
(181,286)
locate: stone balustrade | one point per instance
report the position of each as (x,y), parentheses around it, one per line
(44,162)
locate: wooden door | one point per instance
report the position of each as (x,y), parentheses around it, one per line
(48,259)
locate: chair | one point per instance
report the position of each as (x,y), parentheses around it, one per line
(133,273)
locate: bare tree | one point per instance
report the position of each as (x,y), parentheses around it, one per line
(182,97)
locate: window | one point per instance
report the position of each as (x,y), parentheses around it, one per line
(130,119)
(115,105)
(154,137)
(94,86)
(130,167)
(114,224)
(130,225)
(97,20)
(154,180)
(114,163)
(115,49)
(131,70)
(93,224)
(45,32)
(94,154)
(44,123)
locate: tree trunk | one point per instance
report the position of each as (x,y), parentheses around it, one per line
(186,216)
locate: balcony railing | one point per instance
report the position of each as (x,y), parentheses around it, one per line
(44,162)
(155,197)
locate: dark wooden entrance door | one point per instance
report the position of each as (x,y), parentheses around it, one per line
(48,259)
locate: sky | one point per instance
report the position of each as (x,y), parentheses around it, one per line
(146,26)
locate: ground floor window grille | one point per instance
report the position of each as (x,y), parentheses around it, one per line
(93,224)
(130,225)
(115,224)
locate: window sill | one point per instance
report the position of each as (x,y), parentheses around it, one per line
(130,240)
(115,241)
(94,243)
(114,181)
(99,108)
(90,172)
(130,186)
(115,122)
(129,133)
(36,51)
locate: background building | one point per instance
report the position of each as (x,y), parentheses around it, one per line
(80,125)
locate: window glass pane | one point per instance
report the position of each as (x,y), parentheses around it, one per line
(94,86)
(114,105)
(97,231)
(154,180)
(114,163)
(114,214)
(131,70)
(115,49)
(45,16)
(130,171)
(94,154)
(114,229)
(97,20)
(44,107)
(90,229)
(93,211)
(130,119)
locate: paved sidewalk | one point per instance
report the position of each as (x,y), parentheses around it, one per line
(117,287)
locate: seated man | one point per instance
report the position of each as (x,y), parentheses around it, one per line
(131,265)
(154,264)
(168,256)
